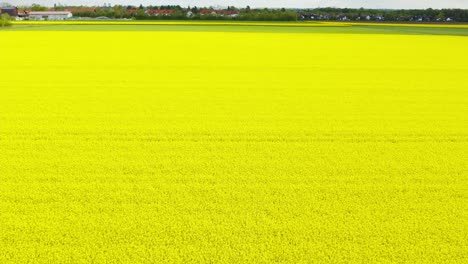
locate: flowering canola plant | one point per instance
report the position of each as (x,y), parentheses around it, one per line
(185,23)
(232,147)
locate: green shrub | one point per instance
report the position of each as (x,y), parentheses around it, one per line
(5,20)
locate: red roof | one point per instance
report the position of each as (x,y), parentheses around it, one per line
(206,11)
(159,11)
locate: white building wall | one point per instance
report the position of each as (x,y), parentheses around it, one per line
(50,16)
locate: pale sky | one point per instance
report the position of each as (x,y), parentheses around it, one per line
(395,4)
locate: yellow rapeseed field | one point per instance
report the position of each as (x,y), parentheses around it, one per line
(189,22)
(373,24)
(195,147)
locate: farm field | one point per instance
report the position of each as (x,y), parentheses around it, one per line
(189,145)
(252,27)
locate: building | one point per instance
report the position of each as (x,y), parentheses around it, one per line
(159,12)
(10,10)
(50,15)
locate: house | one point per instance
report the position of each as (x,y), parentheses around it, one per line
(10,10)
(232,13)
(207,12)
(221,13)
(22,15)
(342,18)
(49,15)
(159,12)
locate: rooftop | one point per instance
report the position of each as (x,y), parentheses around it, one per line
(49,13)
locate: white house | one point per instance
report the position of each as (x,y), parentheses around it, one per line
(50,15)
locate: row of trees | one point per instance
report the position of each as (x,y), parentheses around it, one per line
(460,15)
(247,13)
(177,12)
(260,15)
(268,15)
(117,11)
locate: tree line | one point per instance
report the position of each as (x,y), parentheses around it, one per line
(178,12)
(422,15)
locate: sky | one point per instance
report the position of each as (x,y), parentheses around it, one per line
(394,4)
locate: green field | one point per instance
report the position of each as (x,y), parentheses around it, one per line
(233,144)
(272,27)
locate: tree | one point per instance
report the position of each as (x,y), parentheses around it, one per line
(36,7)
(141,14)
(5,20)
(59,7)
(441,16)
(119,11)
